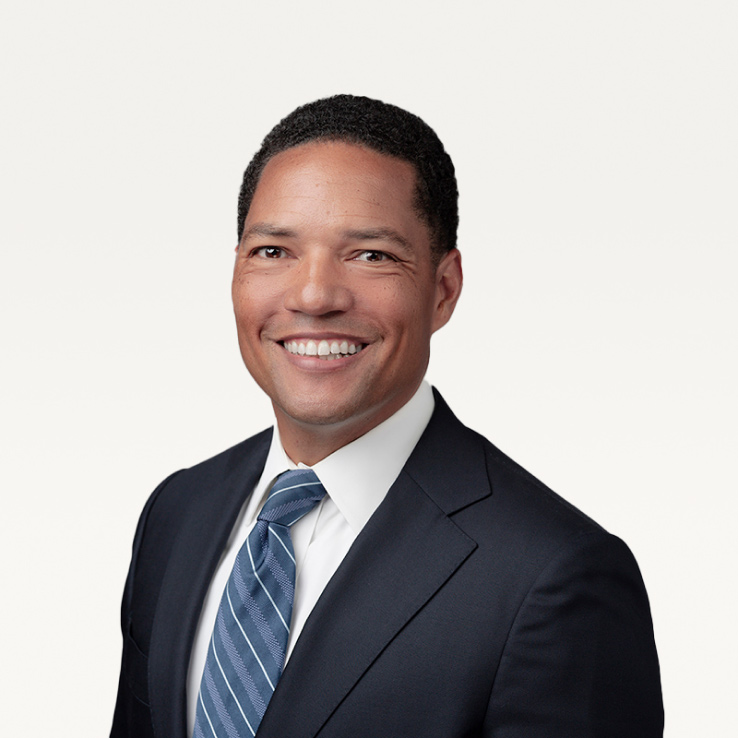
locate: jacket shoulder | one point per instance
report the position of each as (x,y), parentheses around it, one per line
(185,494)
(527,498)
(483,489)
(175,490)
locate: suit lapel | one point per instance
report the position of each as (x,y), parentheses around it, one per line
(213,503)
(407,551)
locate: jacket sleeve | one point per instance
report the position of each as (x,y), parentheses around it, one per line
(580,659)
(132,717)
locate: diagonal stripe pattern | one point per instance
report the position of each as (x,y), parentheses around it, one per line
(249,642)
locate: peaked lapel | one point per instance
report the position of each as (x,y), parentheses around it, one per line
(213,503)
(409,548)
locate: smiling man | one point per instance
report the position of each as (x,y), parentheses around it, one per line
(337,293)
(369,567)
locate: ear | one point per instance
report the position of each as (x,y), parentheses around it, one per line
(449,280)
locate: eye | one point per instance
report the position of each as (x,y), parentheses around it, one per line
(373,257)
(269,252)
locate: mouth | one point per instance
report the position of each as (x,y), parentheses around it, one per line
(327,350)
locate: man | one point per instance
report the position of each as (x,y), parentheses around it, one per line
(424,584)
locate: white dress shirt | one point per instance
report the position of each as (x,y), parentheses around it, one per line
(356,479)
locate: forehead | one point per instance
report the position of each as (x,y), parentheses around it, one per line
(332,179)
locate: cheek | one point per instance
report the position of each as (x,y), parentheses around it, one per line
(254,299)
(406,318)
(413,308)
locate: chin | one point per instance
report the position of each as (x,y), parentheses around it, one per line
(317,413)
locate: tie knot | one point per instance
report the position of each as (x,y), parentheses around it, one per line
(294,494)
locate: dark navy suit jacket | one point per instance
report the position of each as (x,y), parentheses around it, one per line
(475,602)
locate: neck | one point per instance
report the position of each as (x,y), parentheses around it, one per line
(310,447)
(310,443)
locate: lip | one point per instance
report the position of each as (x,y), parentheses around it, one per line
(327,336)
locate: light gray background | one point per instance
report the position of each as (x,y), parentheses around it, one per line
(595,341)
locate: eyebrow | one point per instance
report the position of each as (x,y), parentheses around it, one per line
(269,230)
(379,234)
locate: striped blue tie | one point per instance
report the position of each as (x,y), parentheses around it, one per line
(247,650)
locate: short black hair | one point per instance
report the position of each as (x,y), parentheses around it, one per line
(384,128)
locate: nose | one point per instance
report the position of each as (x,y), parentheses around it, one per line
(319,286)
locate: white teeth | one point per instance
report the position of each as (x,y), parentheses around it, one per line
(323,349)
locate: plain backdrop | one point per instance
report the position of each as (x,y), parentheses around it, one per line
(595,342)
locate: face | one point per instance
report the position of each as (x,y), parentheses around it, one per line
(335,292)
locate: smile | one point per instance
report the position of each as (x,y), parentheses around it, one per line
(326,350)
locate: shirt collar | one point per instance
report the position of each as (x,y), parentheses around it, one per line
(358,476)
